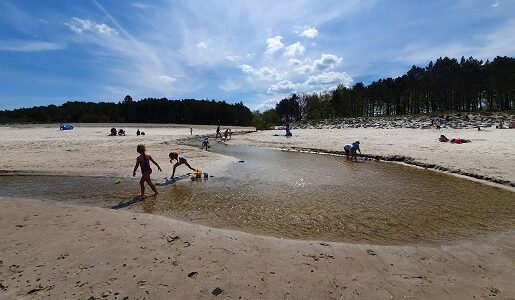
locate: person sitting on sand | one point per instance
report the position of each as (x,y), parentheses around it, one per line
(443,138)
(459,141)
(121,131)
(180,160)
(205,144)
(353,149)
(113,132)
(143,161)
(138,132)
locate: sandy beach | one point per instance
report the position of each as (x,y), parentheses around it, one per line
(55,251)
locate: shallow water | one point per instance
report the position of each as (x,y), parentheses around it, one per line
(306,196)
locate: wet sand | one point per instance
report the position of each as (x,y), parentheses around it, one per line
(52,250)
(56,251)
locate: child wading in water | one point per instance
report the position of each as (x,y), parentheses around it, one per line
(143,161)
(180,160)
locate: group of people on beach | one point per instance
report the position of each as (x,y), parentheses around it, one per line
(143,162)
(227,134)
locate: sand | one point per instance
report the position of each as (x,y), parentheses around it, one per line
(56,251)
(89,151)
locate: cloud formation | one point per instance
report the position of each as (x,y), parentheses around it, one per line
(310,33)
(326,62)
(30,46)
(273,44)
(295,49)
(84,25)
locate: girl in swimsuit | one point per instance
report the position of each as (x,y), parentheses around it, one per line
(143,161)
(180,160)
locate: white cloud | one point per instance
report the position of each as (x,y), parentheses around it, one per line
(329,80)
(310,33)
(201,45)
(233,58)
(273,44)
(229,86)
(294,50)
(496,4)
(326,62)
(294,62)
(284,86)
(29,46)
(268,73)
(167,79)
(84,25)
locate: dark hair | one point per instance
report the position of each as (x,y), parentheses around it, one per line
(141,149)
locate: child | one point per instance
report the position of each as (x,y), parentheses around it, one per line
(205,143)
(347,150)
(180,160)
(353,149)
(144,162)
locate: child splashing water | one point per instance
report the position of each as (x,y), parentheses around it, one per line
(180,160)
(143,161)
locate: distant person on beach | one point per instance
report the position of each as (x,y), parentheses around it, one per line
(138,132)
(113,132)
(288,132)
(218,133)
(443,138)
(180,161)
(121,131)
(143,161)
(226,134)
(459,141)
(230,134)
(205,144)
(347,150)
(353,151)
(191,131)
(512,124)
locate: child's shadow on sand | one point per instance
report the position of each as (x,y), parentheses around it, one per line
(129,203)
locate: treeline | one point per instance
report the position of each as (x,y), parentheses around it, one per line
(445,85)
(148,110)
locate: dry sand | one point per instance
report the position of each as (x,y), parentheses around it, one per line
(89,151)
(56,251)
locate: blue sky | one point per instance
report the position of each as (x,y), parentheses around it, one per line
(258,52)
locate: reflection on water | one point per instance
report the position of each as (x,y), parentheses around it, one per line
(307,196)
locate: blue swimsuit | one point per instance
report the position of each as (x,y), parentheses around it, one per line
(145,166)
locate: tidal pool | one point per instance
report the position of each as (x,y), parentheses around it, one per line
(305,196)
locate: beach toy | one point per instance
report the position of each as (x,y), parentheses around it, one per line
(206,175)
(198,174)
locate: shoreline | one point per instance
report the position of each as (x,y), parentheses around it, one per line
(411,162)
(71,251)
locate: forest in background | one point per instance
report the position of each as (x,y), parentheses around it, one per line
(447,85)
(148,110)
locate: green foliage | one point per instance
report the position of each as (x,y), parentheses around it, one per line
(148,110)
(265,120)
(446,85)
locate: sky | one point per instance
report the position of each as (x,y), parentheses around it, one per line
(257,52)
